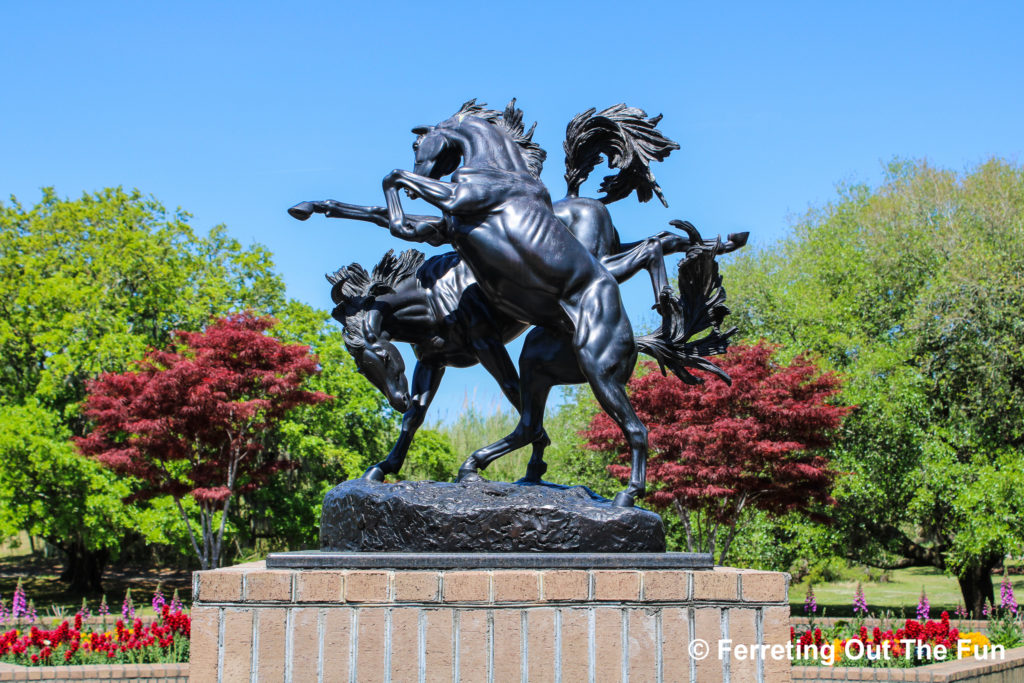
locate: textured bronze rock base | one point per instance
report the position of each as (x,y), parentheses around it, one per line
(482,516)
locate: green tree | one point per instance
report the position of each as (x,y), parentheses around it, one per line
(50,491)
(912,290)
(431,457)
(569,461)
(86,286)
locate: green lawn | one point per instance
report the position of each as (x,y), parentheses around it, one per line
(900,595)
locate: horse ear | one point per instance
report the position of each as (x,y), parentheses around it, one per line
(371,326)
(422,130)
(380,289)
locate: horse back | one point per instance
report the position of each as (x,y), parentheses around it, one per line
(590,221)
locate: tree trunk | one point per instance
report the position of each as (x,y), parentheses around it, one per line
(83,568)
(684,515)
(976,587)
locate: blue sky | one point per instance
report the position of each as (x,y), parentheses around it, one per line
(236,111)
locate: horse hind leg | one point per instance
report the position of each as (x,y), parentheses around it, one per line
(545,360)
(529,430)
(606,354)
(537,467)
(521,436)
(613,398)
(646,255)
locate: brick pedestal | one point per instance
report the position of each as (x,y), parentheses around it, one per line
(254,624)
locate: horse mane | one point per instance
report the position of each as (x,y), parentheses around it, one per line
(353,290)
(628,139)
(510,121)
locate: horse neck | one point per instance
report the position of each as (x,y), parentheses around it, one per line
(484,145)
(409,317)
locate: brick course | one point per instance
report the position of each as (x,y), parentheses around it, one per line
(574,624)
(319,587)
(616,585)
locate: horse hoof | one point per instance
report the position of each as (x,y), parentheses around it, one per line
(623,500)
(534,473)
(469,471)
(374,474)
(302,210)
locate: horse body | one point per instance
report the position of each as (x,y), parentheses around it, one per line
(440,310)
(501,245)
(527,262)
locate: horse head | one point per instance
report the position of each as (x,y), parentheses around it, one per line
(437,153)
(377,359)
(476,130)
(360,299)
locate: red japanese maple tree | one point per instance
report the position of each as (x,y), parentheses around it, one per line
(718,449)
(192,421)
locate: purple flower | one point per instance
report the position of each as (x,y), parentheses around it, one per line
(1007,601)
(923,608)
(810,604)
(104,610)
(19,605)
(3,611)
(30,615)
(175,602)
(84,610)
(158,600)
(986,609)
(961,612)
(860,603)
(128,607)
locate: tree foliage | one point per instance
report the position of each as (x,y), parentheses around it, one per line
(86,286)
(50,491)
(719,449)
(192,420)
(913,289)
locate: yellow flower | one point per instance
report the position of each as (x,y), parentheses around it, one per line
(837,653)
(972,642)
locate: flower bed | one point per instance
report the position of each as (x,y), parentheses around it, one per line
(868,642)
(165,640)
(915,644)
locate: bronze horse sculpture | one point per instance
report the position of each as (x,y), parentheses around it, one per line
(531,268)
(435,305)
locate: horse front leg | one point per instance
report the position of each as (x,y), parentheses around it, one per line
(606,353)
(451,198)
(439,193)
(426,378)
(644,255)
(336,209)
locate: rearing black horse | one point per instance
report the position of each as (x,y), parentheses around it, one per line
(500,220)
